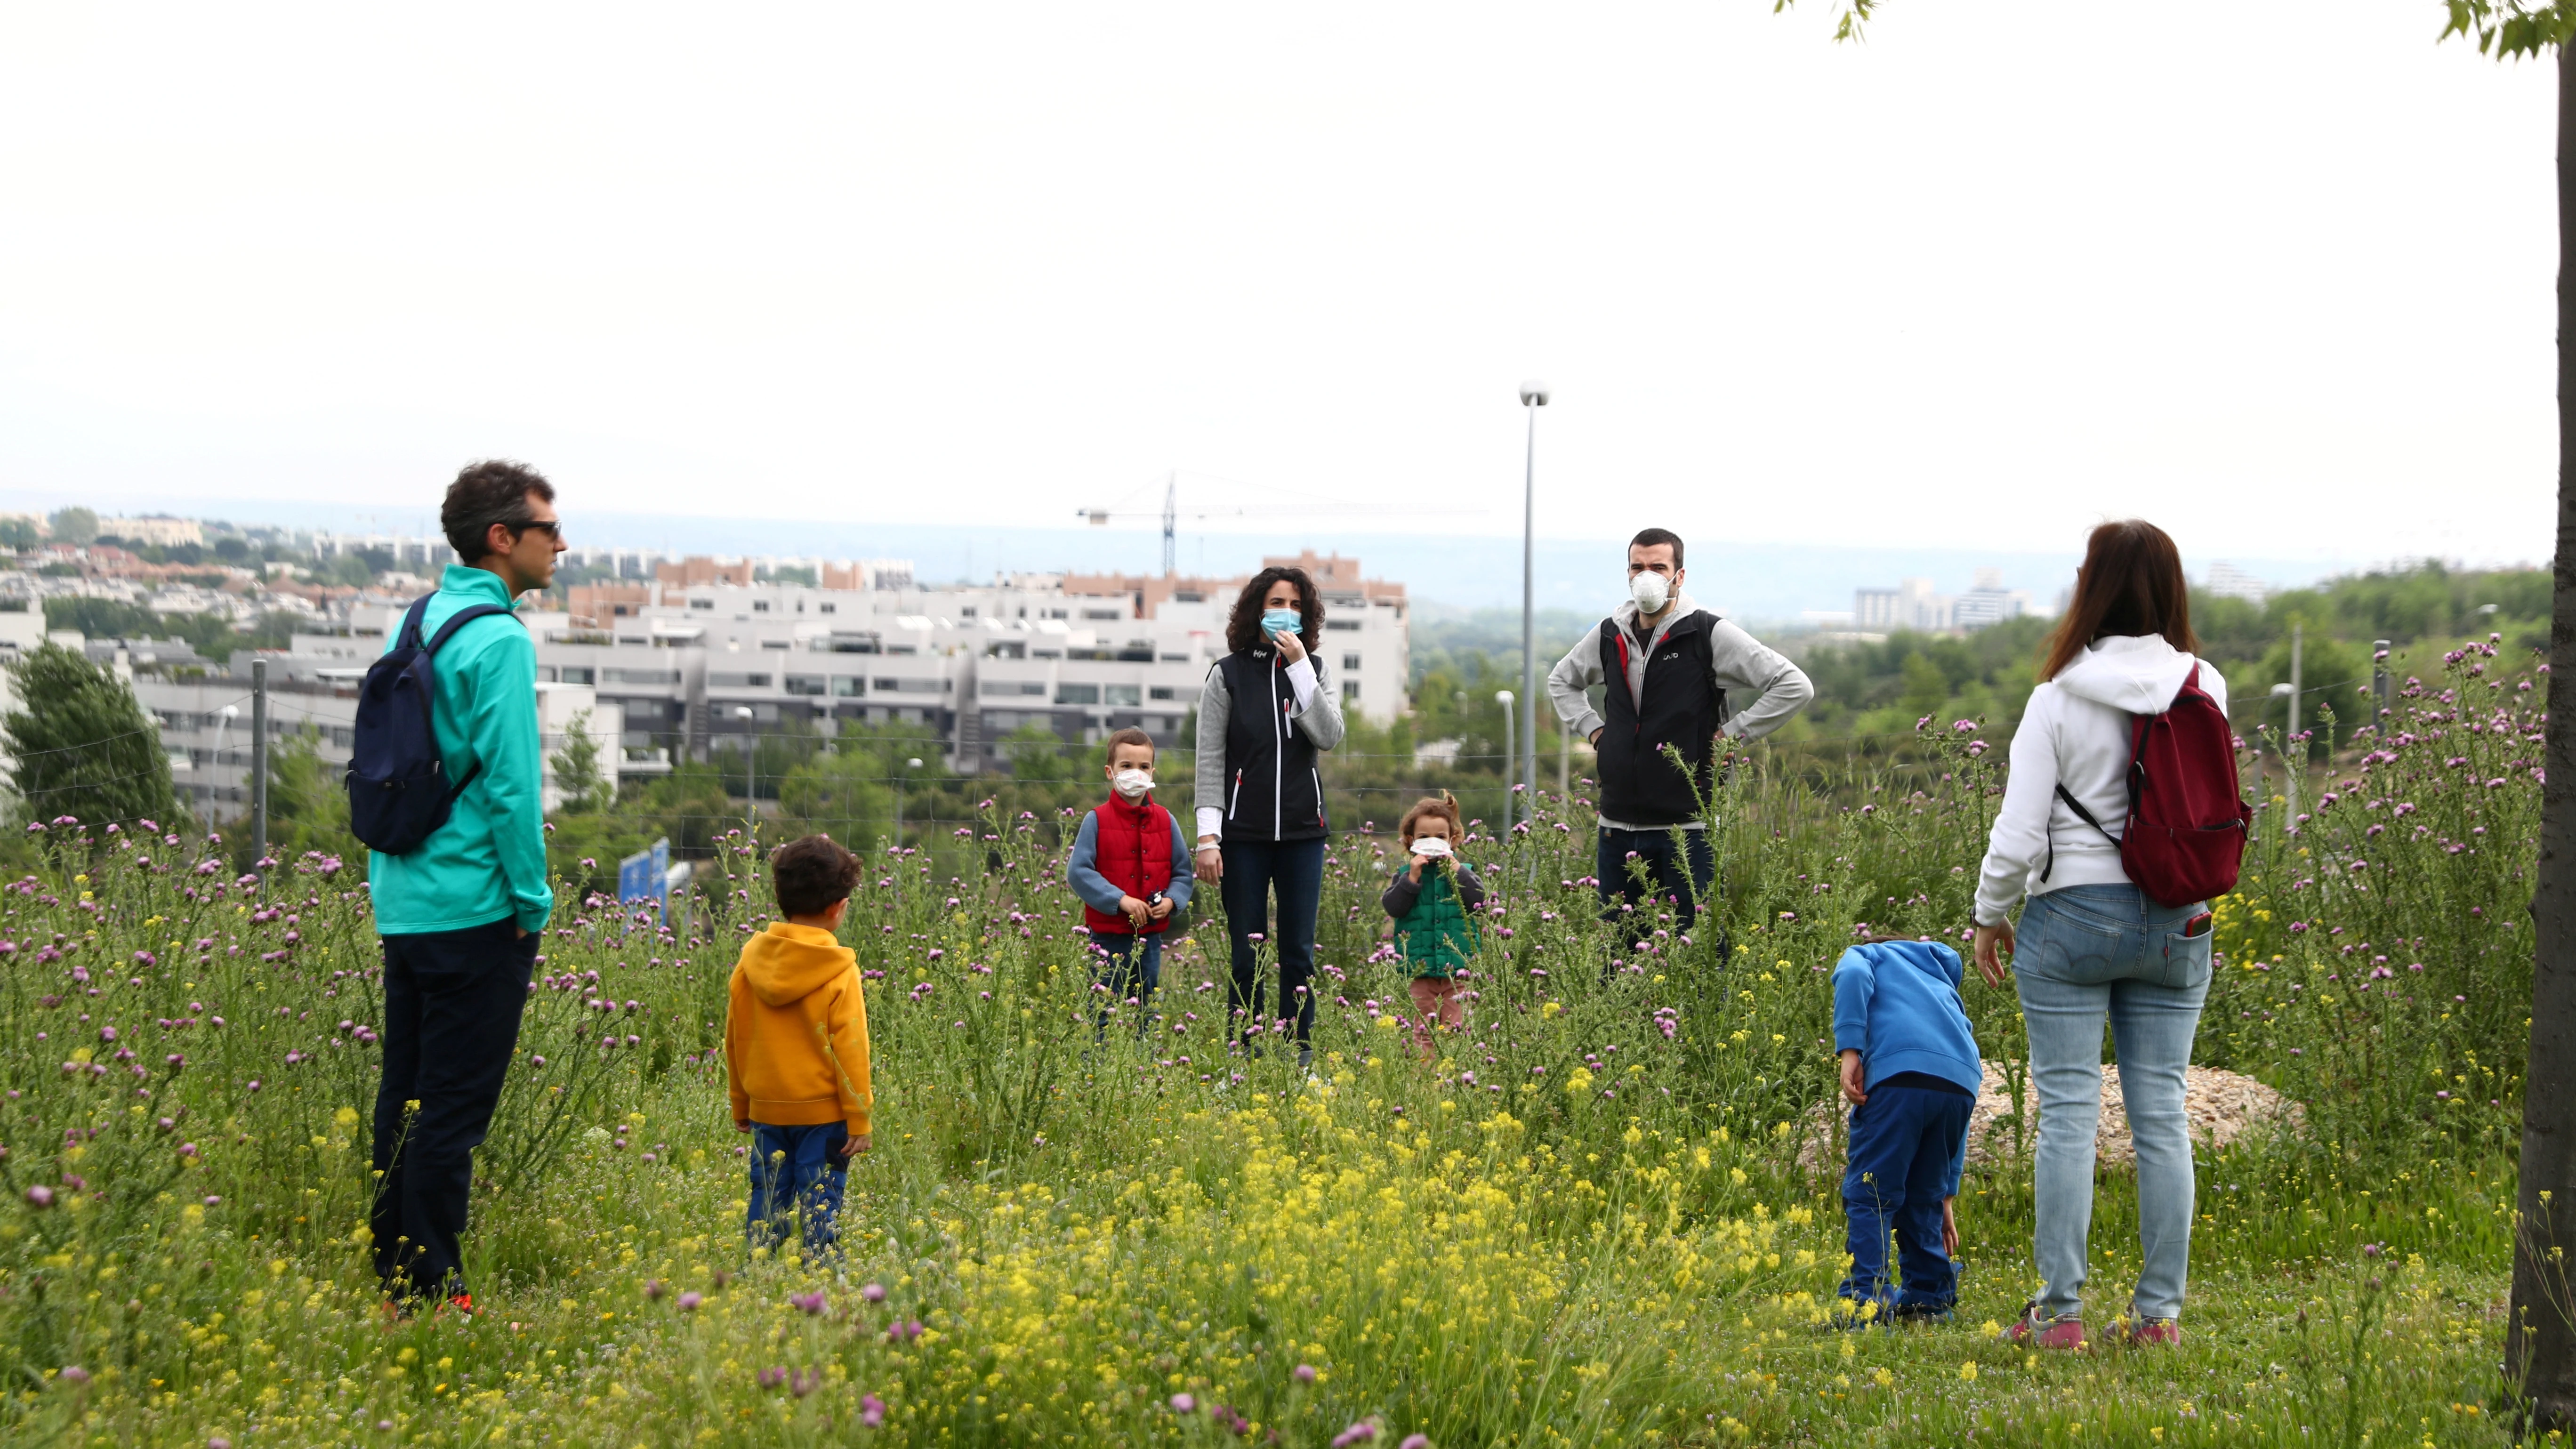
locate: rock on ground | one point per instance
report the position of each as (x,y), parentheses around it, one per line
(2220,1105)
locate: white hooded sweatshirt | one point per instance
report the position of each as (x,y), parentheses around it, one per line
(2076,733)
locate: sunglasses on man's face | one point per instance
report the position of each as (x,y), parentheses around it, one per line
(554,529)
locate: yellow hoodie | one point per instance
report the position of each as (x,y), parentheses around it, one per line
(796,1031)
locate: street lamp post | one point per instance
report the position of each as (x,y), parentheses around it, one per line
(1533,397)
(1512,758)
(909,766)
(751,773)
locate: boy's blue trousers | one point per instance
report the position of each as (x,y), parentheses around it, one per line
(798,1171)
(1904,1141)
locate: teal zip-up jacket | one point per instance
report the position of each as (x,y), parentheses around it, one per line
(488,862)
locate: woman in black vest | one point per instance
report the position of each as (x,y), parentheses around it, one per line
(1264,713)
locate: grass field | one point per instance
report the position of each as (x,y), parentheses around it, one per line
(1582,1224)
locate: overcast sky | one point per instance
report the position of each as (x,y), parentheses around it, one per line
(2279,278)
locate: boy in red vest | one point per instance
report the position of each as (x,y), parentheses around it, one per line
(1131,866)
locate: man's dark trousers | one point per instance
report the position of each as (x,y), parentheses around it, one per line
(1663,865)
(1904,1141)
(452,1005)
(1253,869)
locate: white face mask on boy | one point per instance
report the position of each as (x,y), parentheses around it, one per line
(1132,784)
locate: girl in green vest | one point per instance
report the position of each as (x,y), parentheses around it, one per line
(1434,900)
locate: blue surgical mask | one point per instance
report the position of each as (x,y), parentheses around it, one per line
(1282,621)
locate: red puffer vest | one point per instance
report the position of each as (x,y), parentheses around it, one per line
(1135,855)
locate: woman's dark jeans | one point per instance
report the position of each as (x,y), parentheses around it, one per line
(1254,870)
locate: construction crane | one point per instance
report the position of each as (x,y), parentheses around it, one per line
(1170,515)
(1171,521)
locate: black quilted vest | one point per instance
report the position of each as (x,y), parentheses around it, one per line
(1681,708)
(1272,791)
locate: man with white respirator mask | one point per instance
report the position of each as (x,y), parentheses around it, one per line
(1131,866)
(1673,674)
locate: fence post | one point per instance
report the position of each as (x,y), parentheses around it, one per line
(259,759)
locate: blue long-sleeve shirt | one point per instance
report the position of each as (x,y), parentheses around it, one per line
(1897,1004)
(1082,869)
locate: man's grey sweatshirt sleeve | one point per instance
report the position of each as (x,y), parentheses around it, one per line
(1216,707)
(1577,672)
(1745,667)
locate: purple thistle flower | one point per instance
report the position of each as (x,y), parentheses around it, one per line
(1183,1404)
(871,1411)
(873,1292)
(689,1302)
(75,1374)
(1304,1373)
(40,1196)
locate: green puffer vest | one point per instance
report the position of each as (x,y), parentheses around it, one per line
(1436,933)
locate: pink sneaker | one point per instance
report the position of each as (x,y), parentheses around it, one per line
(2031,1330)
(2140,1332)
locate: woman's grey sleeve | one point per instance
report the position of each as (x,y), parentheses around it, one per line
(1216,707)
(1321,721)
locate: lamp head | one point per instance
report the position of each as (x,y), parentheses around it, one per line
(1503,697)
(1533,394)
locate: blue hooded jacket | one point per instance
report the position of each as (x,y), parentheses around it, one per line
(1897,1004)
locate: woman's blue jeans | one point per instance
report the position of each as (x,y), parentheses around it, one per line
(2083,953)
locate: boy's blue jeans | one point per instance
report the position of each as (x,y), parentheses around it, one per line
(2083,953)
(1127,972)
(797,1171)
(1904,1143)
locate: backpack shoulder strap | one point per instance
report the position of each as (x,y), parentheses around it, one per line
(458,620)
(2081,814)
(408,636)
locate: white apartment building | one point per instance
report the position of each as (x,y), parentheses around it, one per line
(670,672)
(155,529)
(1914,604)
(698,665)
(2227,581)
(206,727)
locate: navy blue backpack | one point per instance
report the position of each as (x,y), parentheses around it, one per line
(398,790)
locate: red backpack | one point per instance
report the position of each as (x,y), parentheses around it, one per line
(2187,813)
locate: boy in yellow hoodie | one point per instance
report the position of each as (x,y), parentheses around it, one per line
(796,1047)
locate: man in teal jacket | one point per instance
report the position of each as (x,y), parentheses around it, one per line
(462,916)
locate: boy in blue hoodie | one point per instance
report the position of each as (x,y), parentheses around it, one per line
(1911,1072)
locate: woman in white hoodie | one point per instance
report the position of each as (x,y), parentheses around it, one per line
(2092,945)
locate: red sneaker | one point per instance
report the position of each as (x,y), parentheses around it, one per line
(2030,1330)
